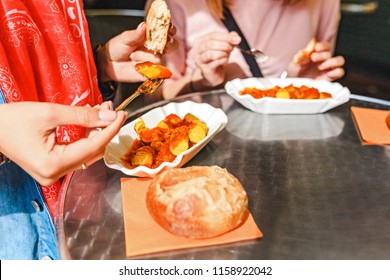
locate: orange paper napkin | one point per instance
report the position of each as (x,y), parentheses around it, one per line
(372,126)
(144,236)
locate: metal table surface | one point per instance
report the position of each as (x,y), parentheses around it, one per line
(314,190)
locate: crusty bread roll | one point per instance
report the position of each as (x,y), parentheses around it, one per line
(304,55)
(197,202)
(158,23)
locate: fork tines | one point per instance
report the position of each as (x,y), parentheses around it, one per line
(150,86)
(147,87)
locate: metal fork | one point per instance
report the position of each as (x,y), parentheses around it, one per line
(259,55)
(147,87)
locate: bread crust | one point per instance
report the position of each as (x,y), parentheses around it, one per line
(304,55)
(158,22)
(197,202)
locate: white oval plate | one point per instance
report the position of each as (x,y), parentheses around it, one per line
(269,105)
(215,119)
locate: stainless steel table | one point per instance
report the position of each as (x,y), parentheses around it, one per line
(314,190)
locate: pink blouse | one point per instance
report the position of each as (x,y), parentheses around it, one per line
(268,25)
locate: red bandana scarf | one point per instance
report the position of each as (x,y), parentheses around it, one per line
(45,55)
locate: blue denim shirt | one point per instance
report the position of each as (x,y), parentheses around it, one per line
(26,227)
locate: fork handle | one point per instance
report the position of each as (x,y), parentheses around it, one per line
(147,87)
(127,101)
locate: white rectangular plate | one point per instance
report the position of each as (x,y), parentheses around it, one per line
(269,105)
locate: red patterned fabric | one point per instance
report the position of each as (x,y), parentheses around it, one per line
(45,55)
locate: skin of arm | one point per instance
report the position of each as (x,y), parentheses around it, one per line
(211,54)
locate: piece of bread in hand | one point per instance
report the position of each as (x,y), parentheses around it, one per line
(158,21)
(197,202)
(304,55)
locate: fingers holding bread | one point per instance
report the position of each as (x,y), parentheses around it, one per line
(172,43)
(304,56)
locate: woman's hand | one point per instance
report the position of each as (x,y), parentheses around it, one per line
(211,53)
(28,136)
(322,65)
(118,57)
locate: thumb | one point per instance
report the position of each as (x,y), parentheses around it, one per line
(133,38)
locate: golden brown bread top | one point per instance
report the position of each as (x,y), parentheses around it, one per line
(197,201)
(201,182)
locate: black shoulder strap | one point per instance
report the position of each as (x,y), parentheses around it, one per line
(231,25)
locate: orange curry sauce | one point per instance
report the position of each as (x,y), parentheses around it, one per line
(288,92)
(164,142)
